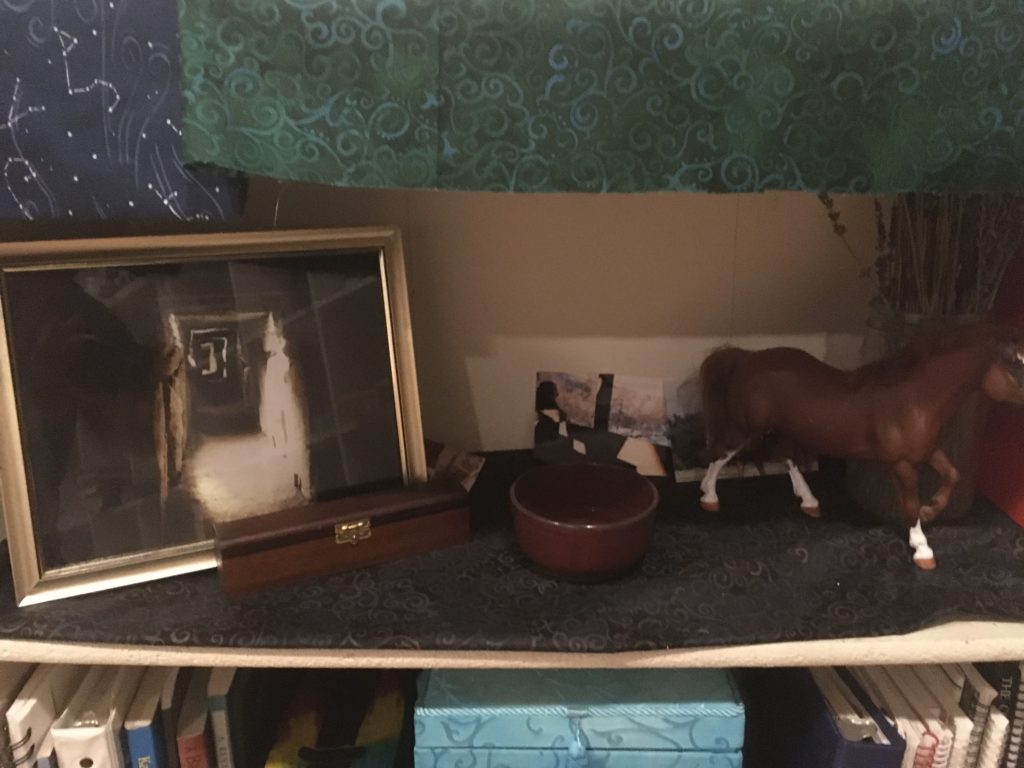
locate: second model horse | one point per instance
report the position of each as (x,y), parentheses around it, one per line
(890,411)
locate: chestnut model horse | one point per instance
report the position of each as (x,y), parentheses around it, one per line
(890,411)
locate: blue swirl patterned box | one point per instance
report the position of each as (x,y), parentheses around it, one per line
(576,718)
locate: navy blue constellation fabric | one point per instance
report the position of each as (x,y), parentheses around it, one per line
(90,115)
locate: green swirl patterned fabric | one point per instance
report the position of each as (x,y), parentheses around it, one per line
(610,95)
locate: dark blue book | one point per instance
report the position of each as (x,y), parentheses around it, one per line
(799,727)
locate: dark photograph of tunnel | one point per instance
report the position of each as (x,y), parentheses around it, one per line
(155,399)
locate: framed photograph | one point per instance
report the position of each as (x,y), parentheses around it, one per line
(150,386)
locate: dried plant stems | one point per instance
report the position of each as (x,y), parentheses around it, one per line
(941,255)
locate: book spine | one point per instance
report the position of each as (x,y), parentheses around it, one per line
(993,745)
(143,749)
(194,753)
(962,730)
(6,757)
(943,752)
(970,703)
(1013,745)
(1004,677)
(221,734)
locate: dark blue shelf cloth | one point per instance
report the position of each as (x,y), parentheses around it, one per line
(757,572)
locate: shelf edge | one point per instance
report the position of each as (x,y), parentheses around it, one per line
(952,642)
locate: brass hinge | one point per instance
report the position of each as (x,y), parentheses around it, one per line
(352,533)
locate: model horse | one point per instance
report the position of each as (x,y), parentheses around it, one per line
(890,411)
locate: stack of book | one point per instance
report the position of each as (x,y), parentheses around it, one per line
(104,716)
(925,716)
(227,717)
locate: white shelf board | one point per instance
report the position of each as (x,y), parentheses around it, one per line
(952,642)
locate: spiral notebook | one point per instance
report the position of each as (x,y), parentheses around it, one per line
(40,702)
(923,742)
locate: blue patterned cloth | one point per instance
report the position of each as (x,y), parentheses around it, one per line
(610,95)
(579,718)
(90,115)
(757,572)
(678,710)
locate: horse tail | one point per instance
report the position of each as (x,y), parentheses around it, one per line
(716,372)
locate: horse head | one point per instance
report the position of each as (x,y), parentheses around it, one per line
(1004,380)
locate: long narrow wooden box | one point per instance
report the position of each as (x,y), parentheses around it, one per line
(333,536)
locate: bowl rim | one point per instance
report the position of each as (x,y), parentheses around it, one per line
(519,508)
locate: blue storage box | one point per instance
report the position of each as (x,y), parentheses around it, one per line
(569,718)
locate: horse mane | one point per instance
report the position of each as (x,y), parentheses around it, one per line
(926,344)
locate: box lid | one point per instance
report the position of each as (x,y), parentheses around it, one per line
(577,710)
(331,518)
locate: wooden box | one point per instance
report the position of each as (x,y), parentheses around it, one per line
(333,536)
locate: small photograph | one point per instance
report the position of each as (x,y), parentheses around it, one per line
(155,399)
(604,418)
(569,397)
(686,435)
(638,409)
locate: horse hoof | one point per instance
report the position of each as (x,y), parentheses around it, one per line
(709,506)
(811,511)
(925,563)
(927,514)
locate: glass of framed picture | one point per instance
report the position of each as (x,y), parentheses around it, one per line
(151,386)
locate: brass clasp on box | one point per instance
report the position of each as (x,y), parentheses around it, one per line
(352,533)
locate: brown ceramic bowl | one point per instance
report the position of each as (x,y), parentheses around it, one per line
(584,522)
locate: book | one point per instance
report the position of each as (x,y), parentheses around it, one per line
(993,743)
(976,698)
(218,690)
(12,679)
(1014,757)
(833,727)
(144,723)
(921,744)
(171,699)
(39,703)
(90,731)
(47,755)
(194,737)
(955,673)
(1005,677)
(944,693)
(927,709)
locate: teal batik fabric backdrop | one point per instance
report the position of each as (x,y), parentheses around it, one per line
(610,95)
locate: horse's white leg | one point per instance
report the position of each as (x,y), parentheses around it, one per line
(708,485)
(808,503)
(924,558)
(906,478)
